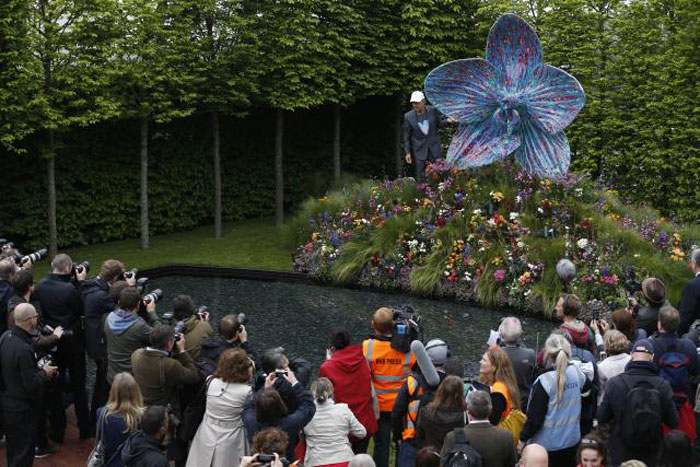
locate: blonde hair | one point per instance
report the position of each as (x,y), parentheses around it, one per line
(615,342)
(503,372)
(125,400)
(383,320)
(558,351)
(322,389)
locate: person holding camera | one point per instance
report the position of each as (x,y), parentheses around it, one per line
(646,317)
(22,384)
(195,323)
(163,367)
(126,331)
(275,360)
(270,446)
(267,409)
(98,304)
(7,270)
(144,448)
(232,335)
(390,369)
(62,305)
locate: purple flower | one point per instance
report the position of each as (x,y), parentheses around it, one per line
(510,103)
(499,275)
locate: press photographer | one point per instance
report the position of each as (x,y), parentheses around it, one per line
(126,331)
(192,322)
(276,361)
(62,305)
(232,335)
(7,270)
(98,303)
(390,361)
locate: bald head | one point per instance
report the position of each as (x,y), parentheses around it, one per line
(23,315)
(61,264)
(534,455)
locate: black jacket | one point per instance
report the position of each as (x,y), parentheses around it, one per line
(22,380)
(662,342)
(433,426)
(615,402)
(689,307)
(6,292)
(141,450)
(213,347)
(97,304)
(648,317)
(60,300)
(523,360)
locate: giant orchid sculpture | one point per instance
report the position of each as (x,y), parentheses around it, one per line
(510,103)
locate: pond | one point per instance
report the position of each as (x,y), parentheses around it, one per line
(300,317)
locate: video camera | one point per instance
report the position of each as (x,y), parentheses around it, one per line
(407,328)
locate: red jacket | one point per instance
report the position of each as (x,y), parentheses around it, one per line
(352,384)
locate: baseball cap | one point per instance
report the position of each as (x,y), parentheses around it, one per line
(643,345)
(437,351)
(417,96)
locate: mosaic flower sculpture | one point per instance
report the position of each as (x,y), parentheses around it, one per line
(510,103)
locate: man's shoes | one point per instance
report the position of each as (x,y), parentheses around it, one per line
(40,453)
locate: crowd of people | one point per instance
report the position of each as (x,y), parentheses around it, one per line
(170,390)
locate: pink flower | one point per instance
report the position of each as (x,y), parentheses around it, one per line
(499,275)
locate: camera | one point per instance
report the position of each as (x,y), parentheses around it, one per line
(172,418)
(406,328)
(633,286)
(6,245)
(129,274)
(179,329)
(141,284)
(31,258)
(280,373)
(80,268)
(595,315)
(45,360)
(152,296)
(267,459)
(202,311)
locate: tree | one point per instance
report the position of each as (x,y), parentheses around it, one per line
(151,71)
(226,56)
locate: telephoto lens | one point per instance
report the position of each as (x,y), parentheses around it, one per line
(241,318)
(153,296)
(36,256)
(7,246)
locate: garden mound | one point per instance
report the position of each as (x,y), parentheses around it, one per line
(492,236)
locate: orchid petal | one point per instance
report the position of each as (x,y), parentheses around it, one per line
(514,50)
(553,99)
(466,90)
(481,143)
(541,153)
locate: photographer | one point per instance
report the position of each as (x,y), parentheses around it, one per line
(390,369)
(646,317)
(98,303)
(22,384)
(126,331)
(61,305)
(7,270)
(145,447)
(232,335)
(274,360)
(195,324)
(269,442)
(163,367)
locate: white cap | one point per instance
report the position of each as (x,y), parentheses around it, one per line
(417,96)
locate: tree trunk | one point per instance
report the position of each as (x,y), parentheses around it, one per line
(144,183)
(398,127)
(336,142)
(217,173)
(279,172)
(51,192)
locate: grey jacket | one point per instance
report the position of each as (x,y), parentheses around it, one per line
(422,147)
(124,333)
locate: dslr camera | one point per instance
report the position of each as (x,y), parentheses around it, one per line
(46,359)
(407,328)
(83,267)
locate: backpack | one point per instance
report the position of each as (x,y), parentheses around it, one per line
(462,454)
(641,420)
(673,367)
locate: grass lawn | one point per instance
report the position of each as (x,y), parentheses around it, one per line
(249,244)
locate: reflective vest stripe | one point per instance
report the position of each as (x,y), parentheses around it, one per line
(388,378)
(415,391)
(389,369)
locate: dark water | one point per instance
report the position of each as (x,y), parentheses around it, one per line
(300,317)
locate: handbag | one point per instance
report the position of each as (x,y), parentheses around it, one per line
(194,413)
(97,455)
(514,423)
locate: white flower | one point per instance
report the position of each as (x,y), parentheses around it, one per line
(514,216)
(521,244)
(447,273)
(540,210)
(582,243)
(491,222)
(412,244)
(518,199)
(477,212)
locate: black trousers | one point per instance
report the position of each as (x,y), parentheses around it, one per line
(70,360)
(21,436)
(382,440)
(100,392)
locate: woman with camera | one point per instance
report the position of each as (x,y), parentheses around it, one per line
(327,433)
(221,437)
(119,418)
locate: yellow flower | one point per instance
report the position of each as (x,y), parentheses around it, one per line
(324,199)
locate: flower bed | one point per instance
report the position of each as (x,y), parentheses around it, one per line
(492,236)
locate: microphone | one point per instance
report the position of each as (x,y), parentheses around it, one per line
(426,366)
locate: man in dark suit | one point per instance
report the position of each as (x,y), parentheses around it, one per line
(421,141)
(689,307)
(493,443)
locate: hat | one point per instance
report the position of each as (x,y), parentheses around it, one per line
(417,96)
(654,290)
(437,351)
(643,345)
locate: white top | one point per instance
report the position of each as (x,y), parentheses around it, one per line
(609,368)
(327,434)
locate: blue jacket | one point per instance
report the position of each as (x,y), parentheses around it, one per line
(114,434)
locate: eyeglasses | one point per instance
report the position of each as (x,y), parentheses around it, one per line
(32,317)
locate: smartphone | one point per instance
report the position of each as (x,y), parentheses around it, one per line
(265,458)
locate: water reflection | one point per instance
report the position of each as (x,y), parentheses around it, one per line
(300,317)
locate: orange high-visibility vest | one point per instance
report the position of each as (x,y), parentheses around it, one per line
(415,391)
(389,369)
